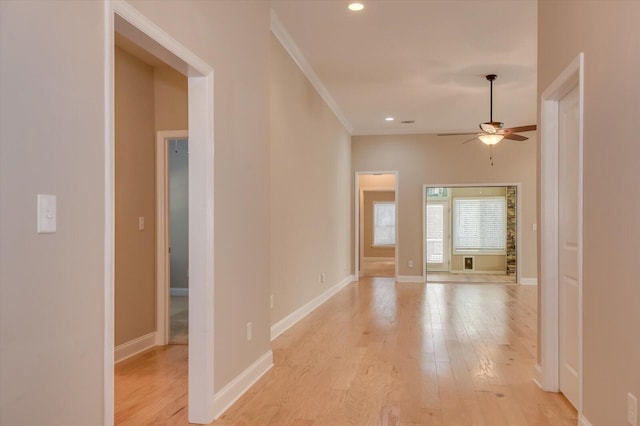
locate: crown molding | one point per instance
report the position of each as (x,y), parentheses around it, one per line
(278,29)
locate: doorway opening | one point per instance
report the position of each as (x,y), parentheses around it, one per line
(376,230)
(470,233)
(125,21)
(172,259)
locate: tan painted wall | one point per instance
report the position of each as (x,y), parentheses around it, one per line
(171,99)
(52,101)
(608,33)
(134,197)
(367,217)
(51,142)
(489,263)
(310,189)
(429,159)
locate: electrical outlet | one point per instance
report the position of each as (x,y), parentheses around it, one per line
(271,301)
(410,264)
(141,223)
(249,331)
(322,277)
(632,409)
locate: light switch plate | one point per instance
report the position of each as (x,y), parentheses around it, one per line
(47,217)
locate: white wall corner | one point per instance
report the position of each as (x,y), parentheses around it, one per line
(528,281)
(238,386)
(410,278)
(537,375)
(134,347)
(287,322)
(583,421)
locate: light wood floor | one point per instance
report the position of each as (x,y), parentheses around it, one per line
(378,268)
(378,353)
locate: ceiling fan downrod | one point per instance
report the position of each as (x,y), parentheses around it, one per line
(491,77)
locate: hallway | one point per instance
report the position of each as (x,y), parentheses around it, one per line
(379,352)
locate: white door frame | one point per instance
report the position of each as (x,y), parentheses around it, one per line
(469,185)
(162,233)
(356,260)
(123,18)
(571,77)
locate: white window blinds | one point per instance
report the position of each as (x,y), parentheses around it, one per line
(479,224)
(384,224)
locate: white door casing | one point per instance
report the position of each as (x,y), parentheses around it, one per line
(568,244)
(561,206)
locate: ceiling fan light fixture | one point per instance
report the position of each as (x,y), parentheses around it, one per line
(491,126)
(490,139)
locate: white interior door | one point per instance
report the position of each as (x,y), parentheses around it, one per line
(568,245)
(437,236)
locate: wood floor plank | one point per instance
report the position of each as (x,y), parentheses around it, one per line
(377,353)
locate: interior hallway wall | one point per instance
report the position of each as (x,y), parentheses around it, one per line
(135,285)
(52,293)
(608,34)
(310,189)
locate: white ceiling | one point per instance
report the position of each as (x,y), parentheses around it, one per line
(417,60)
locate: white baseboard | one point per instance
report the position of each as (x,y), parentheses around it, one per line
(583,421)
(285,323)
(134,347)
(410,278)
(537,375)
(528,281)
(179,291)
(238,386)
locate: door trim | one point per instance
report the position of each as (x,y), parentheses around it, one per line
(120,16)
(162,233)
(357,194)
(470,185)
(571,77)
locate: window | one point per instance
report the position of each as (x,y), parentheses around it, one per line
(384,224)
(479,225)
(435,233)
(437,192)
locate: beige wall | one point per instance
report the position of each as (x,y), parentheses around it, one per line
(310,189)
(135,286)
(428,159)
(608,33)
(52,102)
(368,199)
(489,263)
(171,99)
(51,142)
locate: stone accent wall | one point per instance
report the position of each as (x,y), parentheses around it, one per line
(511,230)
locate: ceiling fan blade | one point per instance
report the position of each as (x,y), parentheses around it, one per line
(521,129)
(471,140)
(515,137)
(456,134)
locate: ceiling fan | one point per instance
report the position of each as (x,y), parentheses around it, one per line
(493,132)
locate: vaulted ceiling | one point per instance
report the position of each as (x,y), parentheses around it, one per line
(421,61)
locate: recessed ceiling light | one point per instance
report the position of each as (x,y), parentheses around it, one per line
(389,118)
(356,7)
